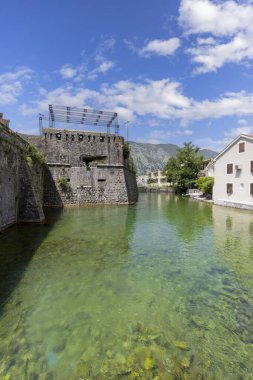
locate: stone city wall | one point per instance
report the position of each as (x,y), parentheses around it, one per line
(84,167)
(21,183)
(77,147)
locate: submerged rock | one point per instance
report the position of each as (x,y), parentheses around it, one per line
(185,363)
(149,363)
(181,345)
(197,321)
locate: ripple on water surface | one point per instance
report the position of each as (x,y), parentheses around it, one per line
(159,290)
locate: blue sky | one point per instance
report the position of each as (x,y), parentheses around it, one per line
(174,70)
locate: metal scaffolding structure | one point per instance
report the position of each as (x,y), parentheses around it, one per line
(85,116)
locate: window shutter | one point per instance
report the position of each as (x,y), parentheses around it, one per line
(229,188)
(241,147)
(229,168)
(251,188)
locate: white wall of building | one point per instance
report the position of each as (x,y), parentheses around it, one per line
(241,179)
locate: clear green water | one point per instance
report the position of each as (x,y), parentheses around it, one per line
(160,290)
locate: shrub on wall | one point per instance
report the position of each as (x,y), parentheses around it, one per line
(126,150)
(32,155)
(64,185)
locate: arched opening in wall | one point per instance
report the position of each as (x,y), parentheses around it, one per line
(67,137)
(58,136)
(88,138)
(109,139)
(51,136)
(102,138)
(45,134)
(72,137)
(80,137)
(94,138)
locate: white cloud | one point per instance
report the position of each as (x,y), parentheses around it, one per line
(75,73)
(230,29)
(225,18)
(102,68)
(157,100)
(160,47)
(12,84)
(212,57)
(185,132)
(206,41)
(230,135)
(242,122)
(230,104)
(67,72)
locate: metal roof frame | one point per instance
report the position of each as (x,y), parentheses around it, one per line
(84,116)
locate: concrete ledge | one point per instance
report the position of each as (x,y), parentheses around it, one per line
(57,164)
(110,166)
(240,205)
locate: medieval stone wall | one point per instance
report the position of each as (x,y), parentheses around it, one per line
(84,167)
(21,184)
(74,147)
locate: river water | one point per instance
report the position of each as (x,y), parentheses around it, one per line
(159,290)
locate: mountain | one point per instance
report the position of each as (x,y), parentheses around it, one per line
(150,157)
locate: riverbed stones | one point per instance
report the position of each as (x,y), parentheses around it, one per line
(181,345)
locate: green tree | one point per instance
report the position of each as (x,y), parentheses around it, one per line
(182,169)
(205,184)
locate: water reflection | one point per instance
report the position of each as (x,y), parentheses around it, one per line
(68,281)
(17,247)
(152,291)
(188,217)
(233,238)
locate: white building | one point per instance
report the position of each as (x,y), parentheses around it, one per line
(208,171)
(157,179)
(233,174)
(142,180)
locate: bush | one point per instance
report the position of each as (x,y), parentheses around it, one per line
(32,155)
(126,150)
(205,184)
(64,184)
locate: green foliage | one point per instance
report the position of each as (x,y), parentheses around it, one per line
(205,184)
(128,159)
(32,155)
(182,169)
(131,165)
(64,184)
(151,180)
(126,150)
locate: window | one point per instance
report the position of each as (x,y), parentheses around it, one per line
(251,166)
(241,147)
(229,168)
(229,188)
(251,189)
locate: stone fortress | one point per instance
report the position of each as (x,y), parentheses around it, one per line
(79,167)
